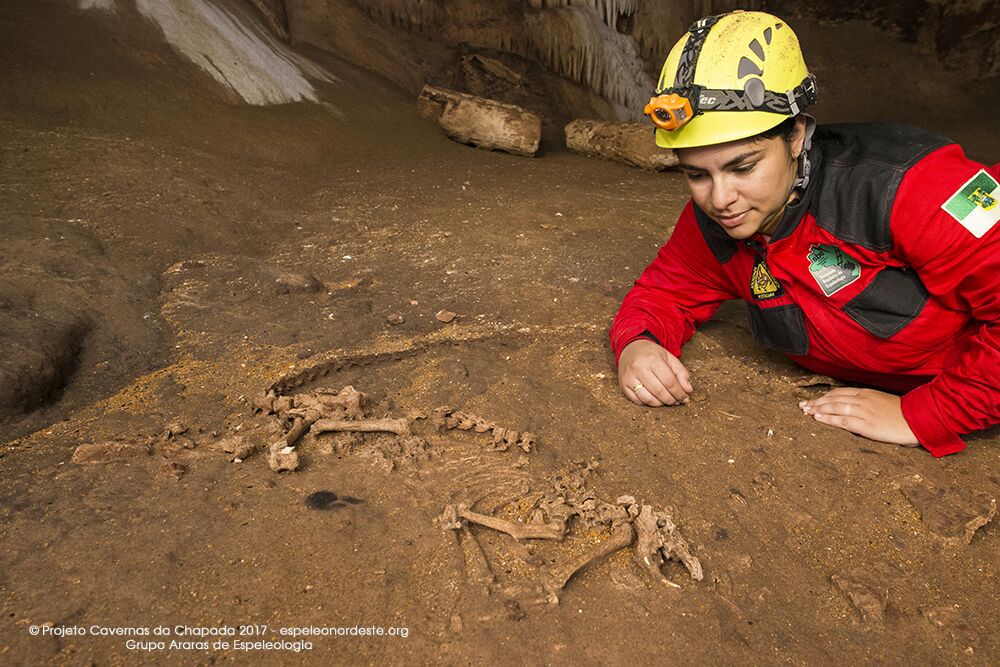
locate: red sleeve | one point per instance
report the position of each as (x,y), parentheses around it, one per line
(682,288)
(963,272)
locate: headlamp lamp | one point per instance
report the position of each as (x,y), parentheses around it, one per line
(670,110)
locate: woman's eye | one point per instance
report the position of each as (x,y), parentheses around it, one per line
(694,176)
(745,169)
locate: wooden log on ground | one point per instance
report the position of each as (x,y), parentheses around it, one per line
(631,143)
(482,122)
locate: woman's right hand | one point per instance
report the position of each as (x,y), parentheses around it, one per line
(649,375)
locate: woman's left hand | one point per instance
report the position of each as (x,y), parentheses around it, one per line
(871,414)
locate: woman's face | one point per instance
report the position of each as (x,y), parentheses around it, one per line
(743,185)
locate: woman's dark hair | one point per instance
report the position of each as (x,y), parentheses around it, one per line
(785,129)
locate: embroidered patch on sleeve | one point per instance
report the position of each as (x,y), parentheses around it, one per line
(763,285)
(975,205)
(832,268)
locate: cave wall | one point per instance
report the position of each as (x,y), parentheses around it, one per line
(962,34)
(577,39)
(611,47)
(274,15)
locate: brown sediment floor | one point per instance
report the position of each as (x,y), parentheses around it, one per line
(184,231)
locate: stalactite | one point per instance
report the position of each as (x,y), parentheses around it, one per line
(575,42)
(410,15)
(574,38)
(609,10)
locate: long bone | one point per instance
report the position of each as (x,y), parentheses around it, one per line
(555,580)
(281,454)
(517,530)
(399,426)
(299,426)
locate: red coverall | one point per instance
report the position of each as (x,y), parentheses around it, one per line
(866,278)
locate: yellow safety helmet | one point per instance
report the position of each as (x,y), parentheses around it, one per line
(730,77)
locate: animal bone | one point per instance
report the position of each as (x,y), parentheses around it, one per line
(476,563)
(647,547)
(264,403)
(243,451)
(327,401)
(282,458)
(659,541)
(604,513)
(303,411)
(398,426)
(503,438)
(555,580)
(452,516)
(466,422)
(271,403)
(300,425)
(517,530)
(281,455)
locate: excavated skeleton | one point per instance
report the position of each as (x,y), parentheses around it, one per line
(653,531)
(324,411)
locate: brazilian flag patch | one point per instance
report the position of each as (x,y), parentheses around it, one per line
(975,205)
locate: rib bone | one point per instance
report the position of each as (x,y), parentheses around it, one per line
(476,564)
(555,580)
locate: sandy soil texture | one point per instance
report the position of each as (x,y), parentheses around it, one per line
(170,256)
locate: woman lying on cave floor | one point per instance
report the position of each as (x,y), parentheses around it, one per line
(867,252)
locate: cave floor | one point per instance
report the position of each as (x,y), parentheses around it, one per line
(185,230)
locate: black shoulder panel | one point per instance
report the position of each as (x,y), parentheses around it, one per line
(718,241)
(862,167)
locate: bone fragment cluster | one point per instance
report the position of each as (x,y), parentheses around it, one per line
(502,438)
(653,532)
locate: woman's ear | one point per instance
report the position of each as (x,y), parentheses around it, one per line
(799,136)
